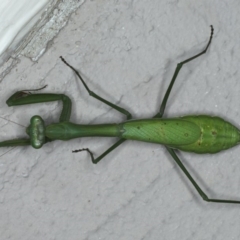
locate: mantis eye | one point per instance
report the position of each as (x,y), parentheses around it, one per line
(36,131)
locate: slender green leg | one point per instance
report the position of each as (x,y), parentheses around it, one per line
(199,190)
(96,160)
(121,110)
(177,70)
(23,98)
(26,97)
(92,94)
(171,151)
(15,142)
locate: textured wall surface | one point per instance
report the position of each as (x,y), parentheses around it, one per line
(127,52)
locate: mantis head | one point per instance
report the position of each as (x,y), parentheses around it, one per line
(36,132)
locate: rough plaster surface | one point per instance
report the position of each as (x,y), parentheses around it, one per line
(127,52)
(17,17)
(29,28)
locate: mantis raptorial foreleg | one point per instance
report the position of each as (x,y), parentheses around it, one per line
(25,97)
(121,110)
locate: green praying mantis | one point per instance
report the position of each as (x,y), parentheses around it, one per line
(198,134)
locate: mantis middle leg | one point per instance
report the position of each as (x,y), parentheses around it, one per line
(121,110)
(177,70)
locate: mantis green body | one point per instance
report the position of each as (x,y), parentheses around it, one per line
(198,134)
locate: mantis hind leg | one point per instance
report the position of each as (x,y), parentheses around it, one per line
(121,110)
(177,70)
(171,151)
(199,190)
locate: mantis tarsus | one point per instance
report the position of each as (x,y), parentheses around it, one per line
(199,134)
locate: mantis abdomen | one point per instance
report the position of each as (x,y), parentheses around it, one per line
(199,134)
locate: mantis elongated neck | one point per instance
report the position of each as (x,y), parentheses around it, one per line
(68,130)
